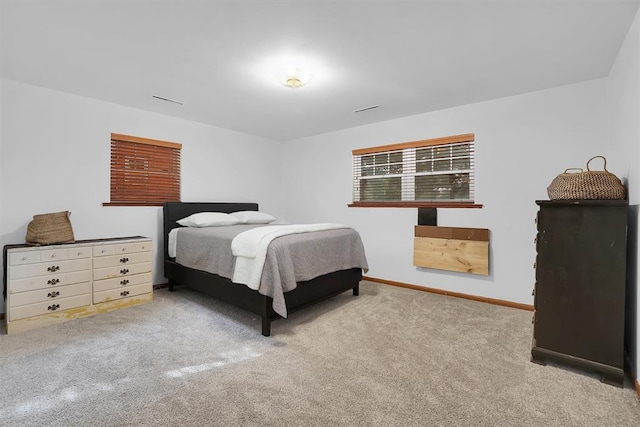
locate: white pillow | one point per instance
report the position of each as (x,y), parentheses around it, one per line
(208,219)
(253,217)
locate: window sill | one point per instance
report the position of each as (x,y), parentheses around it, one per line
(414,205)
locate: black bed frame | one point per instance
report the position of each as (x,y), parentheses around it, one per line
(306,293)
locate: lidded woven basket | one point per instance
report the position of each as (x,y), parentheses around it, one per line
(586,185)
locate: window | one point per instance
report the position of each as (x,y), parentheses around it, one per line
(144,172)
(434,172)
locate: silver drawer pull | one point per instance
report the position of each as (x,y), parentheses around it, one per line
(53,281)
(123,260)
(53,294)
(124,293)
(124,282)
(53,255)
(53,268)
(53,307)
(24,258)
(124,271)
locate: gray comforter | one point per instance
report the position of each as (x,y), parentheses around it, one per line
(290,259)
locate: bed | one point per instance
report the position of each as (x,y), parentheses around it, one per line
(305,292)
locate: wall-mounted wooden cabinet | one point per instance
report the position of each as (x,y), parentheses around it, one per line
(452,248)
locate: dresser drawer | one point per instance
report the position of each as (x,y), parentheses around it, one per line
(121,282)
(126,248)
(36,309)
(122,248)
(59,254)
(104,250)
(121,271)
(49,268)
(122,259)
(48,281)
(18,258)
(52,294)
(81,252)
(125,292)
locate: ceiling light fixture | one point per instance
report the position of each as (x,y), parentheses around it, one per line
(294,77)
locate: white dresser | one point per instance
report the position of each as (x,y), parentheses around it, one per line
(56,283)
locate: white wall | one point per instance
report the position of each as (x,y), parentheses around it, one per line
(624,113)
(56,151)
(522,143)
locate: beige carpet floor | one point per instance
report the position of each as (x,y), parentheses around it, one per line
(390,357)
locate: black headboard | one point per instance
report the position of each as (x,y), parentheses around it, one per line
(173,211)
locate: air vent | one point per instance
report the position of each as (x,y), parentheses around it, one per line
(373,107)
(167,99)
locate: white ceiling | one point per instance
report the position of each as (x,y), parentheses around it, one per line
(409,57)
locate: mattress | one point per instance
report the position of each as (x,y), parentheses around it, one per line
(290,258)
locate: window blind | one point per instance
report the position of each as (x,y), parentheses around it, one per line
(434,171)
(144,171)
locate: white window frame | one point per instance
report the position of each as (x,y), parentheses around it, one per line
(409,171)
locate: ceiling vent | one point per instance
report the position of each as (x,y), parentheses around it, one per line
(373,107)
(167,99)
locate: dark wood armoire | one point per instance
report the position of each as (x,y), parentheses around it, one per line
(580,285)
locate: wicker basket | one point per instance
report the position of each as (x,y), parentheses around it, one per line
(49,228)
(586,185)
